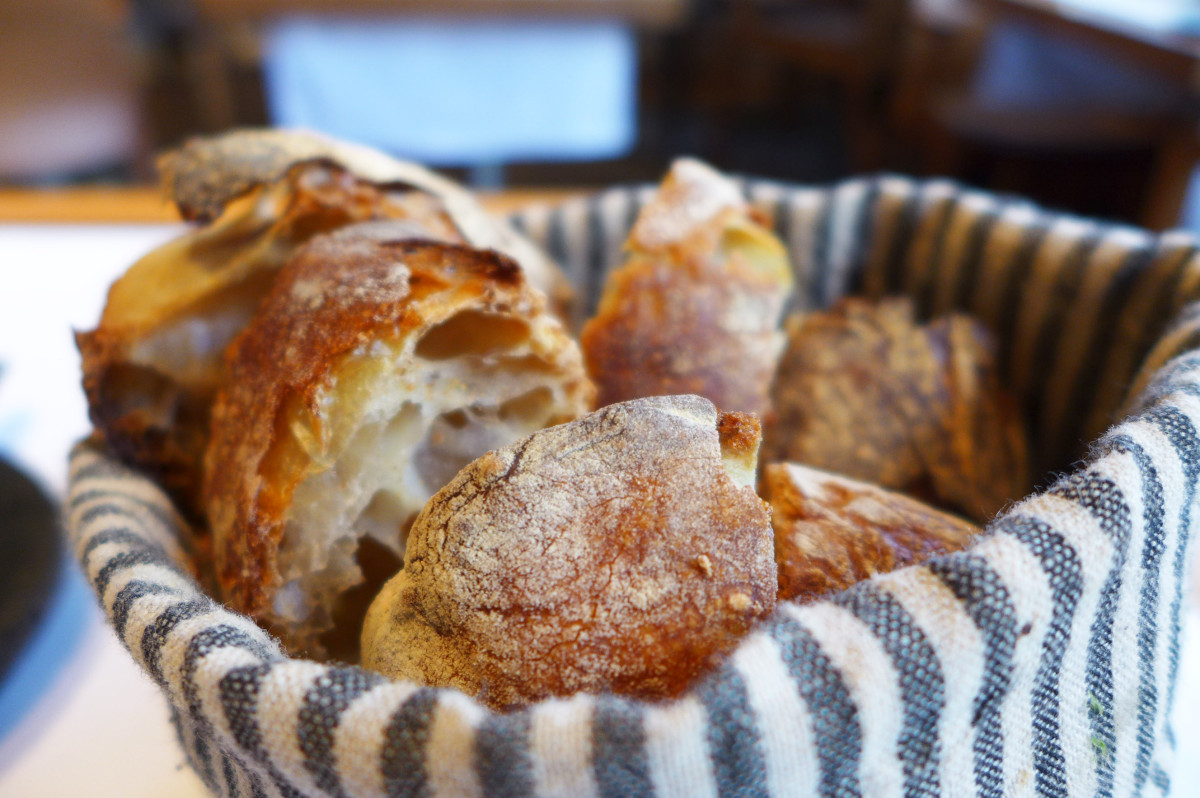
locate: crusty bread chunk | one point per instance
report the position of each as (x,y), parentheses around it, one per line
(831,532)
(153,365)
(377,367)
(695,307)
(207,174)
(865,391)
(624,552)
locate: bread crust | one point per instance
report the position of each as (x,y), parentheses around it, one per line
(359,298)
(695,308)
(831,532)
(614,553)
(153,364)
(864,390)
(206,174)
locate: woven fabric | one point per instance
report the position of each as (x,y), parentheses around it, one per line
(1041,661)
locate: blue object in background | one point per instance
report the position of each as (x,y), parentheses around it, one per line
(49,646)
(44,600)
(1024,67)
(458,92)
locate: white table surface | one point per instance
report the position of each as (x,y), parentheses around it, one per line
(102,728)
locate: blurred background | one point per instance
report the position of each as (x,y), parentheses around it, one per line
(1085,105)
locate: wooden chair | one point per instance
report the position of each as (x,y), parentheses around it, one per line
(1133,163)
(855,43)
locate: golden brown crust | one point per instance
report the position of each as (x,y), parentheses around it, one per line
(352,320)
(831,532)
(610,554)
(739,434)
(337,294)
(665,328)
(144,418)
(207,174)
(865,391)
(695,308)
(983,458)
(152,366)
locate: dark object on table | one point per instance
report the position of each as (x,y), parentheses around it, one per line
(32,546)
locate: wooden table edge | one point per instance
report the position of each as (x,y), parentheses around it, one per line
(147,205)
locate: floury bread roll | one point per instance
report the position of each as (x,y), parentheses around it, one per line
(831,532)
(153,365)
(695,307)
(624,552)
(866,391)
(377,367)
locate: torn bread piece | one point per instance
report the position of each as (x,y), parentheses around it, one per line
(376,368)
(864,390)
(831,532)
(206,175)
(154,362)
(695,307)
(624,552)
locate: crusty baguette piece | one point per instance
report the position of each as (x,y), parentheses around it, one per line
(831,532)
(153,364)
(207,174)
(695,307)
(624,552)
(376,368)
(864,390)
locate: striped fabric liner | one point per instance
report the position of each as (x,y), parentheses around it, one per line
(1041,661)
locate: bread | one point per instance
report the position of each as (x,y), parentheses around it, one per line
(831,532)
(863,390)
(378,365)
(624,552)
(153,364)
(695,307)
(207,174)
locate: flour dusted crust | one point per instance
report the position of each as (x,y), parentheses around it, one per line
(154,363)
(864,390)
(695,307)
(378,365)
(623,552)
(831,532)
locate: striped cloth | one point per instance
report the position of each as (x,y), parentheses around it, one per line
(1041,661)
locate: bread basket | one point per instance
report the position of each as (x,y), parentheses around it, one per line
(1042,660)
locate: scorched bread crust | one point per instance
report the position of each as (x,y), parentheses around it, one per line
(378,365)
(624,552)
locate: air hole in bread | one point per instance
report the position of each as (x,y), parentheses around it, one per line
(472,332)
(529,406)
(458,437)
(190,348)
(406,426)
(385,517)
(378,564)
